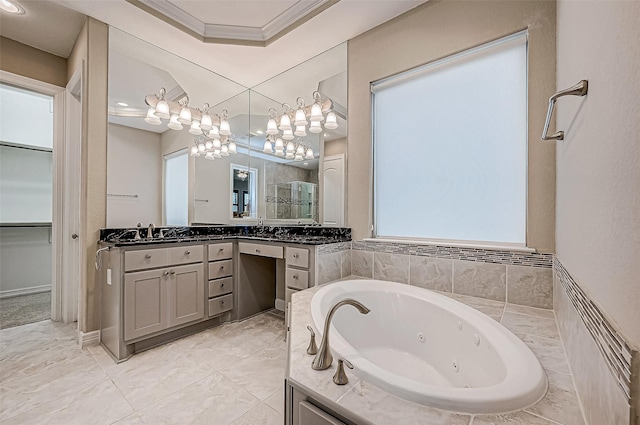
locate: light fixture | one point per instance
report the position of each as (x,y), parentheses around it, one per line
(288,135)
(180,113)
(315,127)
(11,7)
(267,147)
(272,126)
(242,174)
(213,148)
(300,131)
(309,154)
(301,118)
(332,121)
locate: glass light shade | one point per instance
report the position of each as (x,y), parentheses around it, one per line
(216,144)
(194,150)
(316,113)
(195,128)
(267,148)
(152,118)
(301,119)
(315,127)
(185,116)
(214,132)
(300,131)
(289,155)
(279,152)
(309,154)
(290,148)
(332,121)
(162,109)
(217,151)
(201,147)
(298,157)
(225,129)
(288,135)
(232,148)
(225,150)
(272,127)
(300,150)
(208,144)
(279,144)
(285,123)
(174,124)
(205,122)
(209,155)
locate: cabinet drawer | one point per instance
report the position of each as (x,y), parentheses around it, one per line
(220,269)
(310,414)
(145,259)
(220,251)
(298,279)
(220,304)
(260,249)
(220,286)
(185,254)
(298,257)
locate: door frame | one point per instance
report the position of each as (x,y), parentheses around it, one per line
(341,158)
(58,94)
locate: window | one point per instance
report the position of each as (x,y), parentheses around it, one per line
(450,147)
(176,188)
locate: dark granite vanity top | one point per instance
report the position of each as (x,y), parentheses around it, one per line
(310,235)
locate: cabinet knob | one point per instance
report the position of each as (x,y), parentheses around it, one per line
(147,257)
(295,255)
(221,302)
(172,273)
(165,274)
(222,285)
(295,276)
(221,267)
(187,252)
(221,249)
(257,250)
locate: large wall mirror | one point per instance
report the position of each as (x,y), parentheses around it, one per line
(166,176)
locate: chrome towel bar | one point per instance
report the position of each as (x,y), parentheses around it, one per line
(579,89)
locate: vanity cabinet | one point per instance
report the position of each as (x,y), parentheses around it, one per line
(300,266)
(165,297)
(220,287)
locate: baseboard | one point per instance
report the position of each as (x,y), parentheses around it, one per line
(10,293)
(88,338)
(280,304)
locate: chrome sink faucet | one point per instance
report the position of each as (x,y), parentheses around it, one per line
(324,358)
(150,230)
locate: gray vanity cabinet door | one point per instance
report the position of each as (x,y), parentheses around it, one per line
(186,294)
(145,303)
(311,415)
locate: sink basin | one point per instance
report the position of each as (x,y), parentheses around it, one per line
(429,349)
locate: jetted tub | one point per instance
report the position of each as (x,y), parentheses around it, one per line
(429,348)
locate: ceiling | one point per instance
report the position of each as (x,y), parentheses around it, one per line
(53,26)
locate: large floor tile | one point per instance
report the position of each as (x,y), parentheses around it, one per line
(212,400)
(99,404)
(35,336)
(491,308)
(261,374)
(561,402)
(548,351)
(260,415)
(528,325)
(276,400)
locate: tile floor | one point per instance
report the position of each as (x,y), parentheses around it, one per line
(232,374)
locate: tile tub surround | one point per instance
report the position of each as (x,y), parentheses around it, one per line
(314,235)
(605,365)
(334,262)
(516,277)
(47,379)
(369,405)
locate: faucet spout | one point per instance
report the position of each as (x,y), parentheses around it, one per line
(324,358)
(150,230)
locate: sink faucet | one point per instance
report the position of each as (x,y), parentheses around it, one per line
(150,230)
(324,358)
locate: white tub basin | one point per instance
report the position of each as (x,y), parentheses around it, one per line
(429,349)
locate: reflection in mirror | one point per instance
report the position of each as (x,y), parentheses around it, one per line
(292,164)
(243,191)
(137,176)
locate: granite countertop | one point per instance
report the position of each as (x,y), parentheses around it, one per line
(366,404)
(308,235)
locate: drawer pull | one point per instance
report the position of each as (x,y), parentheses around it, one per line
(295,276)
(257,250)
(187,252)
(295,255)
(221,267)
(165,274)
(221,302)
(147,257)
(222,285)
(172,273)
(221,249)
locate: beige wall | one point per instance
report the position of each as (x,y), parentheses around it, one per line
(598,170)
(91,48)
(24,60)
(335,147)
(435,30)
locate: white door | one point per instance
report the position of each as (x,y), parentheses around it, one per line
(333,191)
(70,234)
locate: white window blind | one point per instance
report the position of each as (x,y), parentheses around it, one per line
(450,147)
(176,188)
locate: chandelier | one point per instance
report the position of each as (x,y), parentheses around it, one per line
(242,175)
(181,114)
(298,150)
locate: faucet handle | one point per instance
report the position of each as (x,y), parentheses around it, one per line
(312,348)
(340,377)
(137,235)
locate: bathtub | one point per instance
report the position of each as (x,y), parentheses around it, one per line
(429,348)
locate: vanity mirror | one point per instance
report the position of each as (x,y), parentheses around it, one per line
(293,179)
(151,175)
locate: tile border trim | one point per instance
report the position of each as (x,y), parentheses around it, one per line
(513,258)
(333,247)
(616,352)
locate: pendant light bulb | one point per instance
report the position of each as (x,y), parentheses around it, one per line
(195,128)
(194,150)
(233,148)
(301,119)
(162,109)
(316,113)
(290,148)
(315,127)
(332,121)
(288,135)
(300,131)
(267,148)
(285,123)
(185,115)
(174,124)
(309,154)
(272,127)
(225,129)
(205,122)
(152,118)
